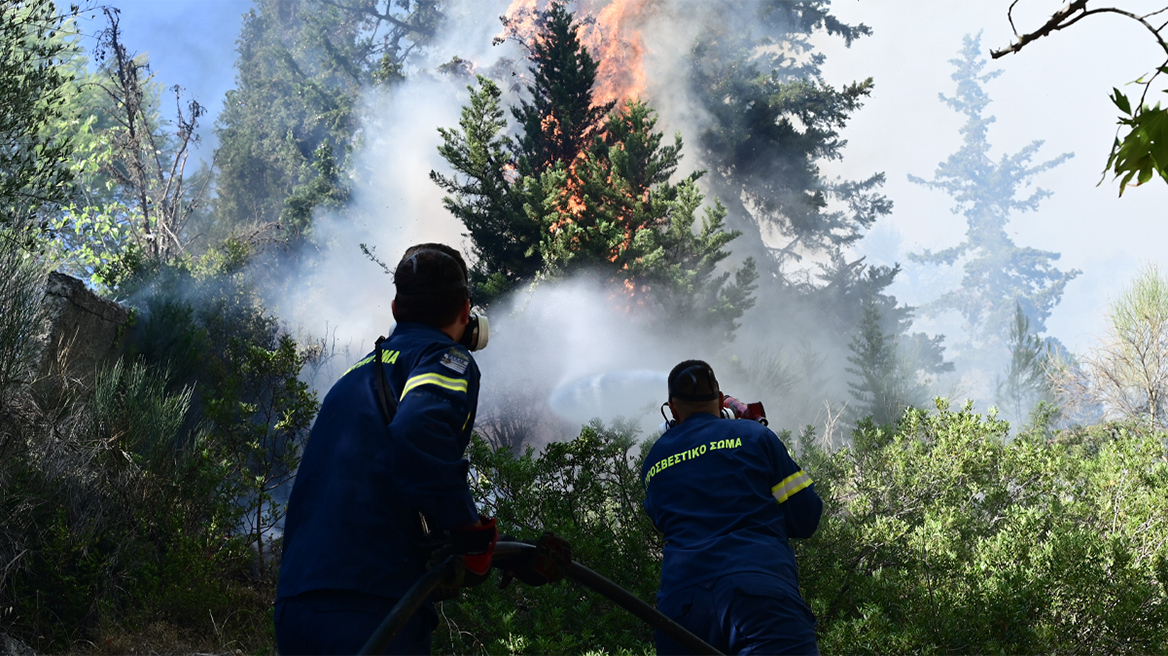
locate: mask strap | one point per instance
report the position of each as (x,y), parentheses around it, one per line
(668,422)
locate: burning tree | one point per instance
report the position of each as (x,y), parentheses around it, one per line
(585,187)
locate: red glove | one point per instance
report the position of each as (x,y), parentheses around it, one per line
(476,544)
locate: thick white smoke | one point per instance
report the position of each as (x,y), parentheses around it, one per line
(559,352)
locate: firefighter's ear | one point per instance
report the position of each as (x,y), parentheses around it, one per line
(393,308)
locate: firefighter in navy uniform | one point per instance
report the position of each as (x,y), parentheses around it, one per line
(364,494)
(727,497)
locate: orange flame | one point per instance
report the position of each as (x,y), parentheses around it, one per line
(615,42)
(608,29)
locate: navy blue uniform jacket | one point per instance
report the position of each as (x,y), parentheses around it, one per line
(352,520)
(727,496)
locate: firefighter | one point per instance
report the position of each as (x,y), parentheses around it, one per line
(727,498)
(366,494)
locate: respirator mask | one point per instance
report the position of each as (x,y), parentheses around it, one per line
(477,331)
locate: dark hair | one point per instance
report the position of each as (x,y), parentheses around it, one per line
(431,282)
(693,381)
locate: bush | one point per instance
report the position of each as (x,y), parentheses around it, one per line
(587,491)
(942,536)
(114,521)
(939,535)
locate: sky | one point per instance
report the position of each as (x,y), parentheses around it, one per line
(1055,90)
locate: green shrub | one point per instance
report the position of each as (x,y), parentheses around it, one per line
(587,491)
(942,536)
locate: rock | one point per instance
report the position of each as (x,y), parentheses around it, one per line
(85,331)
(10,646)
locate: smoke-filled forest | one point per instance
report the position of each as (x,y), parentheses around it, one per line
(632,183)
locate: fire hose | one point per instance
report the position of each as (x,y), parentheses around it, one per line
(448,571)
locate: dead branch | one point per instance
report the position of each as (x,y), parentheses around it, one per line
(1072,13)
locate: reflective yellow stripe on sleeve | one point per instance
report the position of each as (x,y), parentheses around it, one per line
(453,384)
(790,486)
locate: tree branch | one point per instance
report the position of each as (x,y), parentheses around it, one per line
(1054,24)
(1070,14)
(371,10)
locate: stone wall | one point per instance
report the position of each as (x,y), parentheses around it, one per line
(84,332)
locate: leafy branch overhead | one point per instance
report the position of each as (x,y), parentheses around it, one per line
(1143,151)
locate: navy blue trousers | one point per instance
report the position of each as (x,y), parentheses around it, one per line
(743,613)
(340,621)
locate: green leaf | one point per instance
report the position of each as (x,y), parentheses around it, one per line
(1121,101)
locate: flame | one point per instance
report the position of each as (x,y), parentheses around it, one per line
(615,42)
(608,29)
(510,173)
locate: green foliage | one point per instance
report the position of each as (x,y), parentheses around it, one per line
(118,521)
(942,536)
(1026,383)
(22,281)
(152,504)
(132,199)
(503,237)
(887,381)
(771,121)
(1143,151)
(34,171)
(260,412)
(287,129)
(582,191)
(587,491)
(998,273)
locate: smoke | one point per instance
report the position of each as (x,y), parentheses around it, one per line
(560,353)
(338,291)
(393,205)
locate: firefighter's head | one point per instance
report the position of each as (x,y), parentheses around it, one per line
(693,388)
(431,282)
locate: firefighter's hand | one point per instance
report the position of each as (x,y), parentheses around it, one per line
(476,545)
(546,564)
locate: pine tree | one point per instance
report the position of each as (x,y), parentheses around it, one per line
(772,121)
(1026,380)
(483,195)
(556,125)
(887,384)
(586,188)
(999,275)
